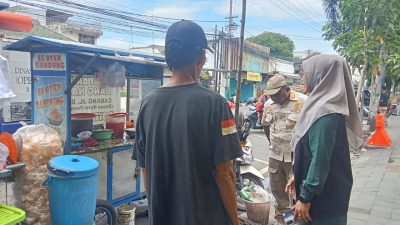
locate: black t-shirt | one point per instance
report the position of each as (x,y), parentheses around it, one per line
(384,100)
(182,133)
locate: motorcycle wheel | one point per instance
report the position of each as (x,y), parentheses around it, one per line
(241,120)
(250,179)
(247,180)
(105,213)
(253,124)
(388,113)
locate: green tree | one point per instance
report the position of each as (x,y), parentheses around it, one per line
(206,80)
(281,46)
(365,29)
(394,70)
(332,10)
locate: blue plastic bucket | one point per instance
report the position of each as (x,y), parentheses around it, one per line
(72,183)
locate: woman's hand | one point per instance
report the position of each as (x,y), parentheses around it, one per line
(302,211)
(290,186)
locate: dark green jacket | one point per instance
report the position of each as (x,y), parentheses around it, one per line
(322,167)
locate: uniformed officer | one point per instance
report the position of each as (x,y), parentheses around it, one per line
(280,117)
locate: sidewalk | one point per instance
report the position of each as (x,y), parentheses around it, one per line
(375,198)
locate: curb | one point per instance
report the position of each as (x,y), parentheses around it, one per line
(376,147)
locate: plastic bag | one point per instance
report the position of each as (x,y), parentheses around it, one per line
(115,75)
(40,144)
(84,135)
(5,91)
(3,155)
(255,193)
(100,77)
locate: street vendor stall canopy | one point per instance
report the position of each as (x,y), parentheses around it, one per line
(136,64)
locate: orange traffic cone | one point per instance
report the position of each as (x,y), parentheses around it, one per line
(380,137)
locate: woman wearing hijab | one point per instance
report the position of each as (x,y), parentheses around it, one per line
(328,127)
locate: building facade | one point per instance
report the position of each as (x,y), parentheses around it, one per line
(225,60)
(62,23)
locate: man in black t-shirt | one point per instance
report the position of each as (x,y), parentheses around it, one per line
(383,101)
(186,140)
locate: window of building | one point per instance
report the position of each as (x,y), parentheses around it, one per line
(87,39)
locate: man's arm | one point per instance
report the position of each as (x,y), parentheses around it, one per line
(226,182)
(267,132)
(267,124)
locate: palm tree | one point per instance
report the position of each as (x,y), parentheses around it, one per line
(332,10)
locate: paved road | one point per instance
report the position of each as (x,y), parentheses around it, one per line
(260,150)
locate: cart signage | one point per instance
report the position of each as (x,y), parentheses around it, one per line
(20,83)
(49,61)
(88,96)
(50,103)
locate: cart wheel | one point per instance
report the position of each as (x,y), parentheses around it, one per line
(105,213)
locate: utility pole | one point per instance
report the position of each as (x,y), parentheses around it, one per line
(228,48)
(239,74)
(230,21)
(228,51)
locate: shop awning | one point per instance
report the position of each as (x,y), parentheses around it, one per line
(137,64)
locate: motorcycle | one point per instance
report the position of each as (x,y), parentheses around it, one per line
(393,109)
(365,111)
(246,174)
(253,115)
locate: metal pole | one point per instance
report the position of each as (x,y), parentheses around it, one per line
(128,97)
(222,54)
(218,56)
(228,51)
(215,55)
(239,74)
(230,21)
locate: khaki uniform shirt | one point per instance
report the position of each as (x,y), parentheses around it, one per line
(282,119)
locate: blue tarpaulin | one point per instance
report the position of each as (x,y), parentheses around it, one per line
(137,64)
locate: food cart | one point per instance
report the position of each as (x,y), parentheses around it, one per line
(57,66)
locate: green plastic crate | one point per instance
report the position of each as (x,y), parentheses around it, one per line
(10,215)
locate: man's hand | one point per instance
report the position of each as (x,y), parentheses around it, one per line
(290,186)
(302,211)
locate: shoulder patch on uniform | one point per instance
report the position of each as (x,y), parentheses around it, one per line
(228,127)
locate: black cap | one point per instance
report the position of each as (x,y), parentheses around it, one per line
(184,42)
